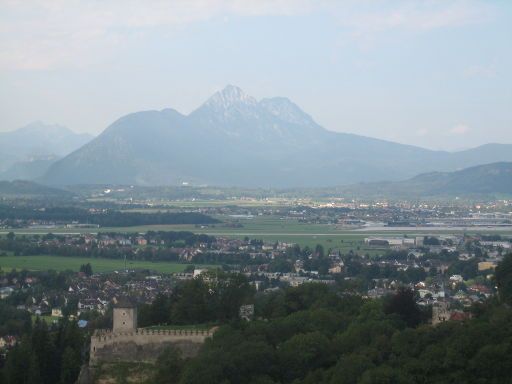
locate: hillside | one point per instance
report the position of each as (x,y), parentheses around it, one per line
(29,169)
(235,140)
(484,180)
(28,189)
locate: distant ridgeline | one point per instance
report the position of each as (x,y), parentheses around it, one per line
(488,180)
(103,218)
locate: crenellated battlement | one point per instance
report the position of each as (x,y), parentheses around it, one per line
(108,333)
(144,344)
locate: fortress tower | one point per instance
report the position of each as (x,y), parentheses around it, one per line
(125,316)
(440,312)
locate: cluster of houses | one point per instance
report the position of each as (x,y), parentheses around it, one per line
(84,295)
(448,295)
(89,293)
(95,293)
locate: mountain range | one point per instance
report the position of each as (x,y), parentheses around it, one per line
(235,140)
(27,152)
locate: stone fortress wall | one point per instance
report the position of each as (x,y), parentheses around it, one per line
(128,343)
(143,344)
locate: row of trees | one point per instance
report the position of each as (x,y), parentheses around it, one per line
(20,215)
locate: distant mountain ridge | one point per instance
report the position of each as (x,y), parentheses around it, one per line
(235,140)
(27,152)
(30,169)
(483,180)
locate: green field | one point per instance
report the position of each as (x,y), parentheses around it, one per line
(60,263)
(258,224)
(190,327)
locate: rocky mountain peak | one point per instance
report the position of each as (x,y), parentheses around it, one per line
(286,110)
(230,96)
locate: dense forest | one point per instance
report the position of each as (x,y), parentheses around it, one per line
(318,334)
(324,338)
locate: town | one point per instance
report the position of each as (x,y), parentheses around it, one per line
(452,271)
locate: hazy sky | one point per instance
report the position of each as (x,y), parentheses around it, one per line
(432,73)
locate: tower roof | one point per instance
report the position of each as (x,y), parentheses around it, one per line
(124,302)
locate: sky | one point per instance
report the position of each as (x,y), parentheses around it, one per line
(435,74)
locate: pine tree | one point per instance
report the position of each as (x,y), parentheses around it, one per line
(70,366)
